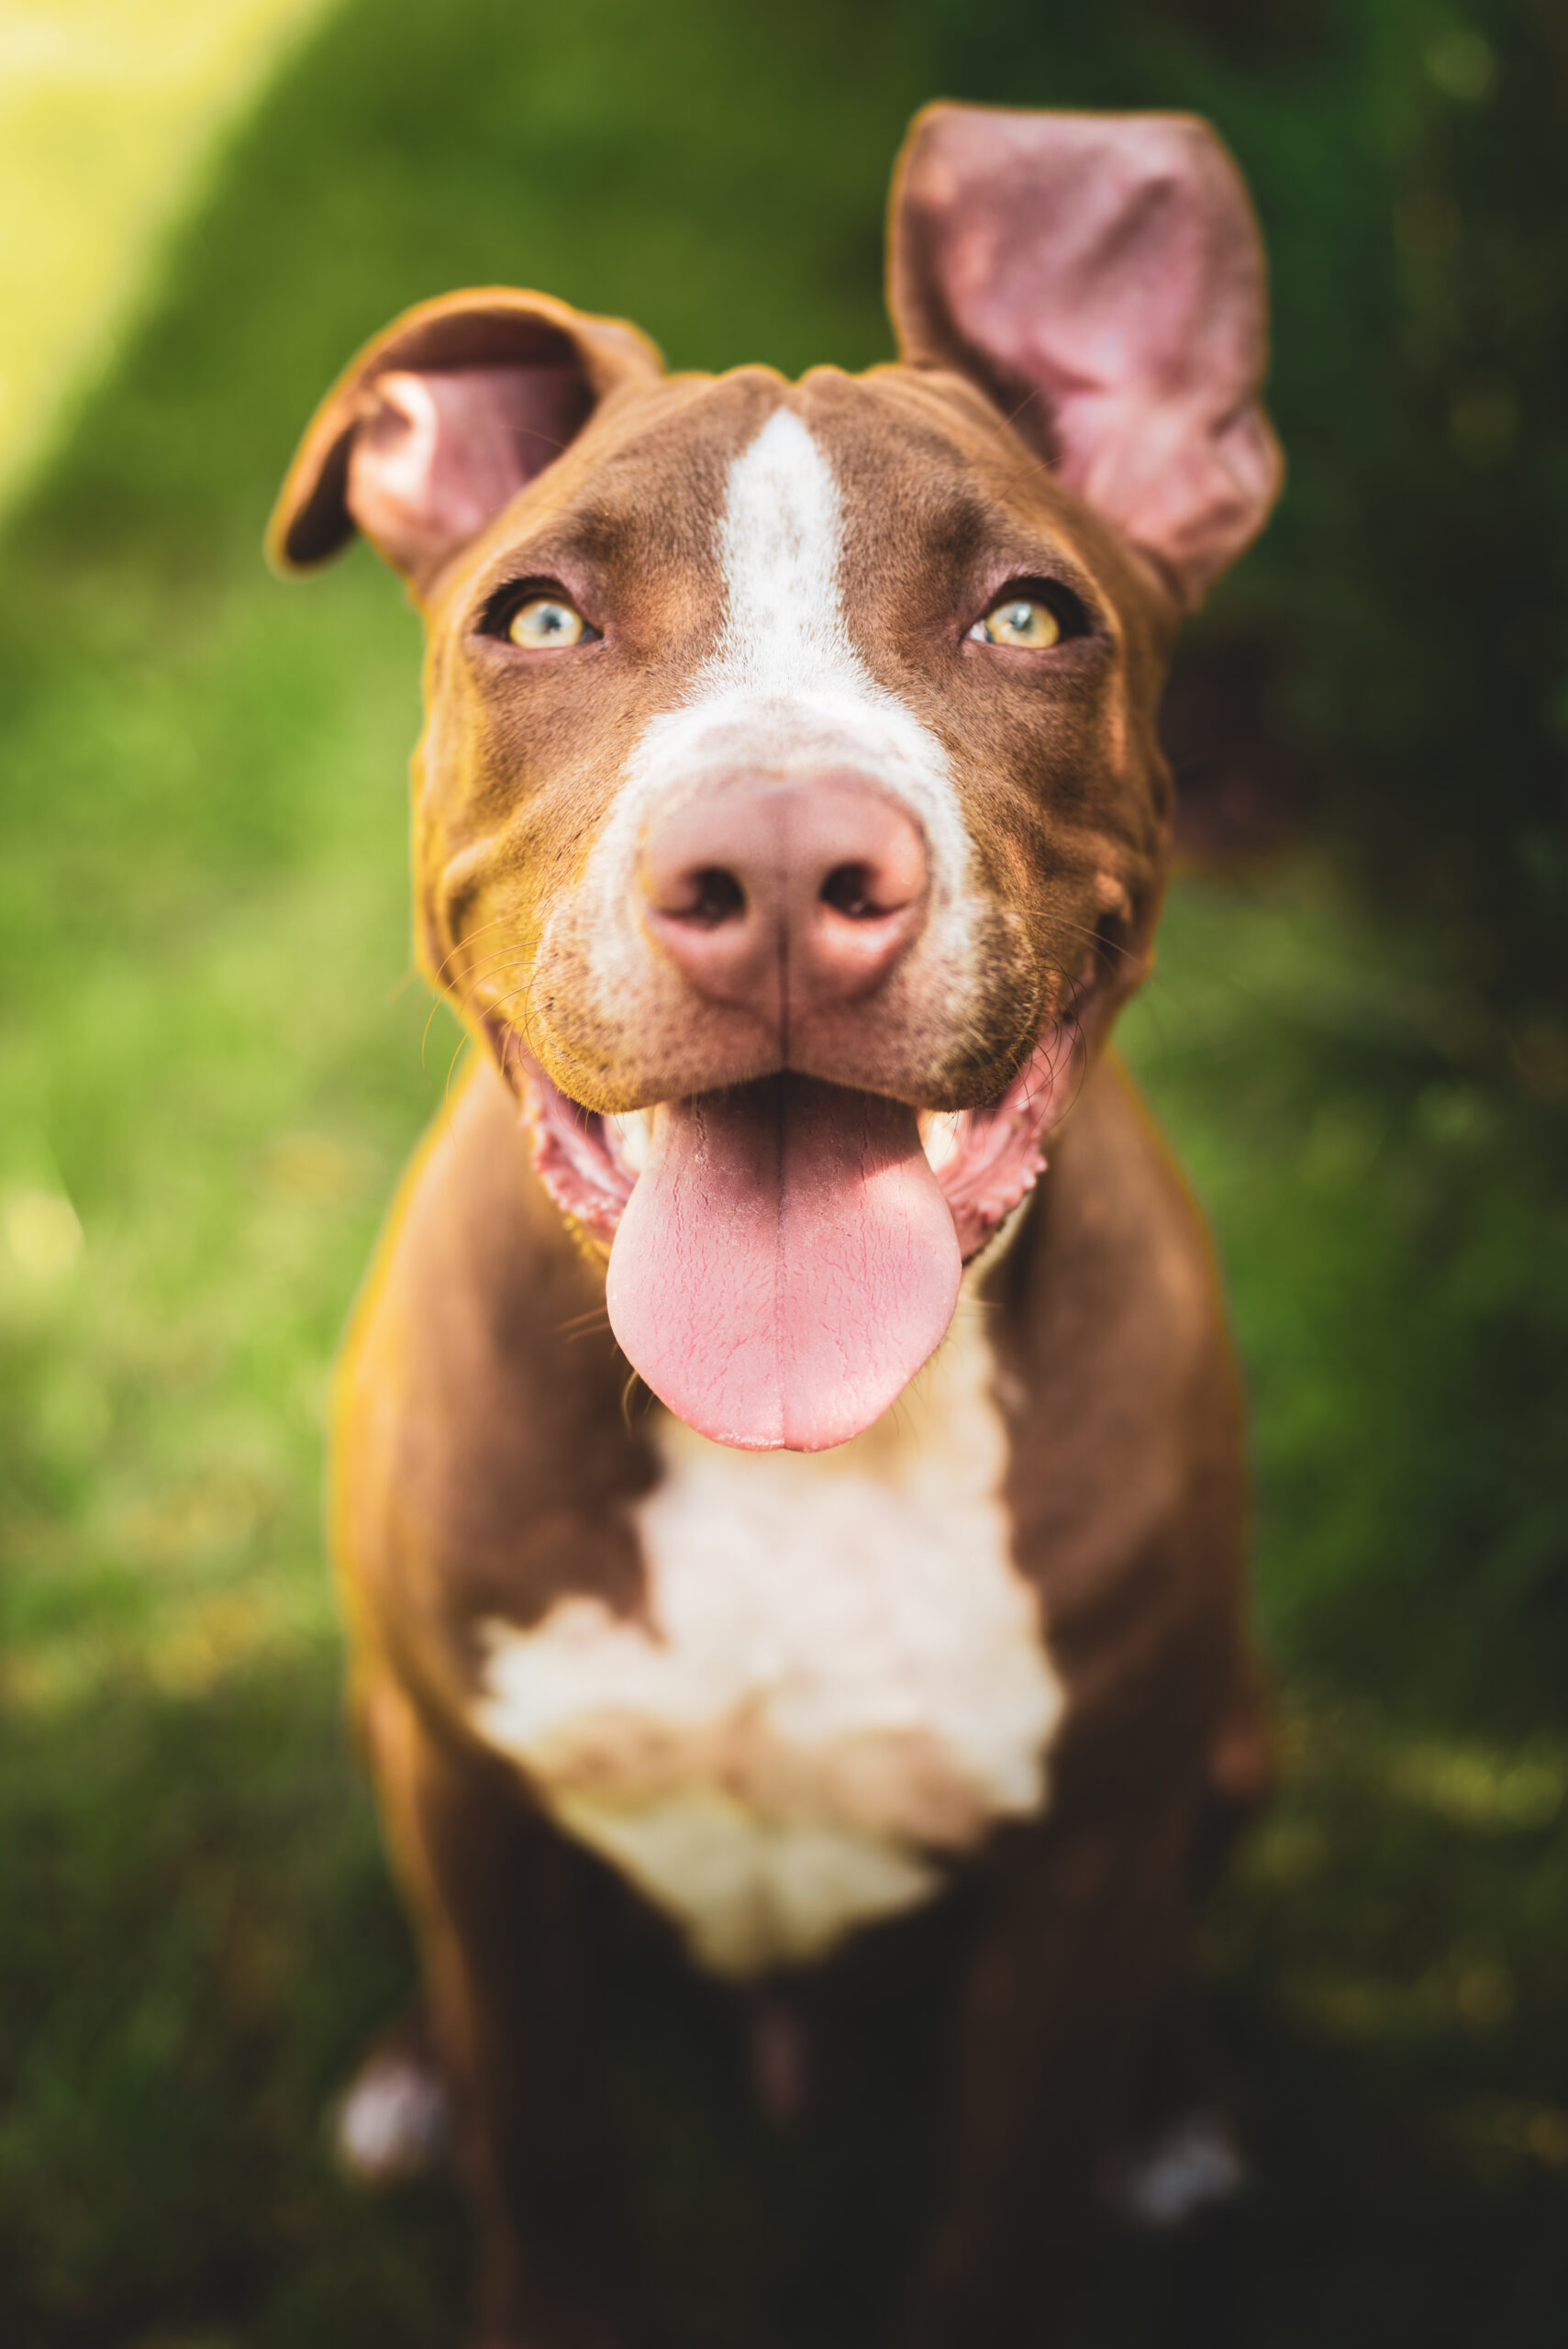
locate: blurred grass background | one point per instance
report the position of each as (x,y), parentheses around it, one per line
(213,1059)
(108,110)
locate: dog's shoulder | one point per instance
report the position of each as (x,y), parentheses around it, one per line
(482,1455)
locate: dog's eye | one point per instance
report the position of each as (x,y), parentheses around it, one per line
(541,622)
(1023,621)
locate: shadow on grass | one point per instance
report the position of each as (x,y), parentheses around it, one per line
(198,1935)
(200,1940)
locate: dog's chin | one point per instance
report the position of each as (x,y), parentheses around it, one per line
(786,1254)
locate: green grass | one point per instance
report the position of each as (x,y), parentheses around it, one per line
(211,1050)
(106,107)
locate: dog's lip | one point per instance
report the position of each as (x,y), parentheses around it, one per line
(986,1160)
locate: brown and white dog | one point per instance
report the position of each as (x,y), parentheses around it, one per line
(790,824)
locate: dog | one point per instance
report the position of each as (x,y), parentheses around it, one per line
(790,824)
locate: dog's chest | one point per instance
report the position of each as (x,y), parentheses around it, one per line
(838,1682)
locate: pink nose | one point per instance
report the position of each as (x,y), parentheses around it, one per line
(786,897)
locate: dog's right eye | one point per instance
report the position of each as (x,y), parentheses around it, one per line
(1026,622)
(540,623)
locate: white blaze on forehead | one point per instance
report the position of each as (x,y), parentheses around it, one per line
(787,692)
(782,545)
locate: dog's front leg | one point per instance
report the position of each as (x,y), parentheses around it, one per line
(490,1886)
(1082,1930)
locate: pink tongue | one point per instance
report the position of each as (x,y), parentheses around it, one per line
(785,1264)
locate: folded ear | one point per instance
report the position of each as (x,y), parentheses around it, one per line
(443,419)
(1101,277)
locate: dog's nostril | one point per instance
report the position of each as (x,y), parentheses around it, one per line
(716,896)
(848,889)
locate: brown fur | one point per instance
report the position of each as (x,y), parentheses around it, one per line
(483,1466)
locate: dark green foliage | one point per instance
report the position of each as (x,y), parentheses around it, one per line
(1410,168)
(208,1043)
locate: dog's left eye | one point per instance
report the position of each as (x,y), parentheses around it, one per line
(1019,620)
(541,622)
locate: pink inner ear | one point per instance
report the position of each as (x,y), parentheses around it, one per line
(1105,272)
(439,454)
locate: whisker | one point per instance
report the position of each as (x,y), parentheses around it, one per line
(426,1037)
(627,1394)
(1110,945)
(522,1021)
(463,1043)
(495,965)
(1027,401)
(512,951)
(525,432)
(467,940)
(595,1317)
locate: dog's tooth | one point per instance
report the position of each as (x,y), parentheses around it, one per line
(631,1138)
(940,1136)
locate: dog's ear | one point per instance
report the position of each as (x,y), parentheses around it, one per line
(443,419)
(1101,277)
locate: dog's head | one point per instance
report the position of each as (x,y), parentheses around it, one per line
(790,818)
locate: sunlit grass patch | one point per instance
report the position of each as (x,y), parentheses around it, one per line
(107,109)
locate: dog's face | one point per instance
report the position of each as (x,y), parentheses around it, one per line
(790,816)
(876,637)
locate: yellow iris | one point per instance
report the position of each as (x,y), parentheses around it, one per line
(545,621)
(1020,619)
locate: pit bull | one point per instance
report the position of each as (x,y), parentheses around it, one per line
(762,1483)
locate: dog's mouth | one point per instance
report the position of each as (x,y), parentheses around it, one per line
(786,1254)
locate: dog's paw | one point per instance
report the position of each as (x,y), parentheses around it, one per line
(394,2120)
(782,2057)
(1188,2164)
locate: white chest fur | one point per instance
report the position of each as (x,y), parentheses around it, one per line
(841,1678)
